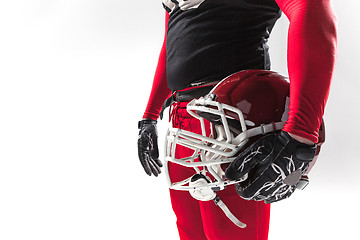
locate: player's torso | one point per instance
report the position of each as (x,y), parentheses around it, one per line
(210,39)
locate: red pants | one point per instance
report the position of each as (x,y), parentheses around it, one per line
(199,220)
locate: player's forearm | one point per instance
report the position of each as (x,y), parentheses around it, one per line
(311,58)
(159,90)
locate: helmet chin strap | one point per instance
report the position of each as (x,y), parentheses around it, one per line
(227,212)
(207,194)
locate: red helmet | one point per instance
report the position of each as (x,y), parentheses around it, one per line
(259,94)
(240,108)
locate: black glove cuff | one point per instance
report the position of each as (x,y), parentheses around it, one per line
(302,151)
(144,122)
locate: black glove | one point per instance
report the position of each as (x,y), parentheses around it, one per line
(274,164)
(148,147)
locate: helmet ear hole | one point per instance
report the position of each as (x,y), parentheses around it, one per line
(201,191)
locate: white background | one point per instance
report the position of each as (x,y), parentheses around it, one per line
(74,80)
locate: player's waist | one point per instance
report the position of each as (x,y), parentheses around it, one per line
(187,94)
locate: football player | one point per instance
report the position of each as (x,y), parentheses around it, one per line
(208,40)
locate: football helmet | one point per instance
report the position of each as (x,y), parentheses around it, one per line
(240,108)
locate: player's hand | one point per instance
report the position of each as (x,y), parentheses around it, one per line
(148,147)
(274,164)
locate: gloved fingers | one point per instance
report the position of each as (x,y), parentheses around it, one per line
(257,153)
(154,148)
(267,188)
(144,156)
(151,166)
(241,165)
(155,168)
(256,189)
(285,193)
(158,162)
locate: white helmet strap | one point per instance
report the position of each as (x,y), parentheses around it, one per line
(207,194)
(227,212)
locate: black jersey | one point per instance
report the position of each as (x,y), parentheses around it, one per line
(208,40)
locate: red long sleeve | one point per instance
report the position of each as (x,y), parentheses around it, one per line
(159,91)
(311,57)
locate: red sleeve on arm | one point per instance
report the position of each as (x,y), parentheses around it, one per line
(159,91)
(311,57)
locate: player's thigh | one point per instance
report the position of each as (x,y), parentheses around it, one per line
(218,227)
(185,207)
